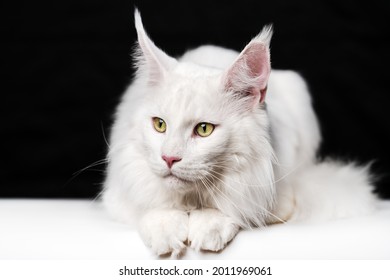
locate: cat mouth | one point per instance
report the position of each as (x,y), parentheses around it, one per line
(173,176)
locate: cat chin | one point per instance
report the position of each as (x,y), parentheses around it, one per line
(175,183)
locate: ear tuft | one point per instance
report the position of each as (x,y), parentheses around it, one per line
(250,72)
(150,60)
(265,35)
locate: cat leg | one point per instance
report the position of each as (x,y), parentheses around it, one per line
(164,230)
(210,230)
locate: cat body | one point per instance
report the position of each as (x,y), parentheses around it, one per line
(213,142)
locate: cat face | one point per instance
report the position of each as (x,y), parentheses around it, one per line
(198,120)
(187,129)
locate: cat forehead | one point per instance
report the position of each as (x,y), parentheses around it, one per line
(189,95)
(195,70)
(192,81)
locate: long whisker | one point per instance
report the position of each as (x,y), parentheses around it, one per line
(223,195)
(248,200)
(96,163)
(104,136)
(209,190)
(88,167)
(199,194)
(292,170)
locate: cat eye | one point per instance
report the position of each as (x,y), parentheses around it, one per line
(159,125)
(204,129)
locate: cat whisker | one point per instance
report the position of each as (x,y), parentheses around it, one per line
(292,170)
(96,163)
(233,151)
(211,187)
(223,195)
(254,186)
(199,194)
(210,191)
(248,200)
(237,182)
(104,136)
(88,167)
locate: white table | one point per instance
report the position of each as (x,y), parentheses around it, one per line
(81,229)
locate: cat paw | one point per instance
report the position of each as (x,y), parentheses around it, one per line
(210,230)
(164,231)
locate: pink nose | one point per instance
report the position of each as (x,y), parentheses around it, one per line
(170,160)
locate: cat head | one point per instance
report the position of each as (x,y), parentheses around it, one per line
(201,123)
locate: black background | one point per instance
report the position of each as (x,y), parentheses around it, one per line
(65,64)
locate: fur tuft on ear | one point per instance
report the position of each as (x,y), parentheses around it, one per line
(249,74)
(150,60)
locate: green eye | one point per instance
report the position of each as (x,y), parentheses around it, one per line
(204,129)
(159,125)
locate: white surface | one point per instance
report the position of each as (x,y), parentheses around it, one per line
(81,229)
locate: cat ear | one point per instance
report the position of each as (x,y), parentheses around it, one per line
(151,61)
(248,76)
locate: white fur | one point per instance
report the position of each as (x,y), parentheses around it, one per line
(164,230)
(257,167)
(210,229)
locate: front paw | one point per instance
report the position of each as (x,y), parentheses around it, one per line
(210,230)
(164,231)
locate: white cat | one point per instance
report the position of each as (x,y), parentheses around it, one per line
(198,151)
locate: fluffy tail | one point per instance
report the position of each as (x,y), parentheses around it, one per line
(333,189)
